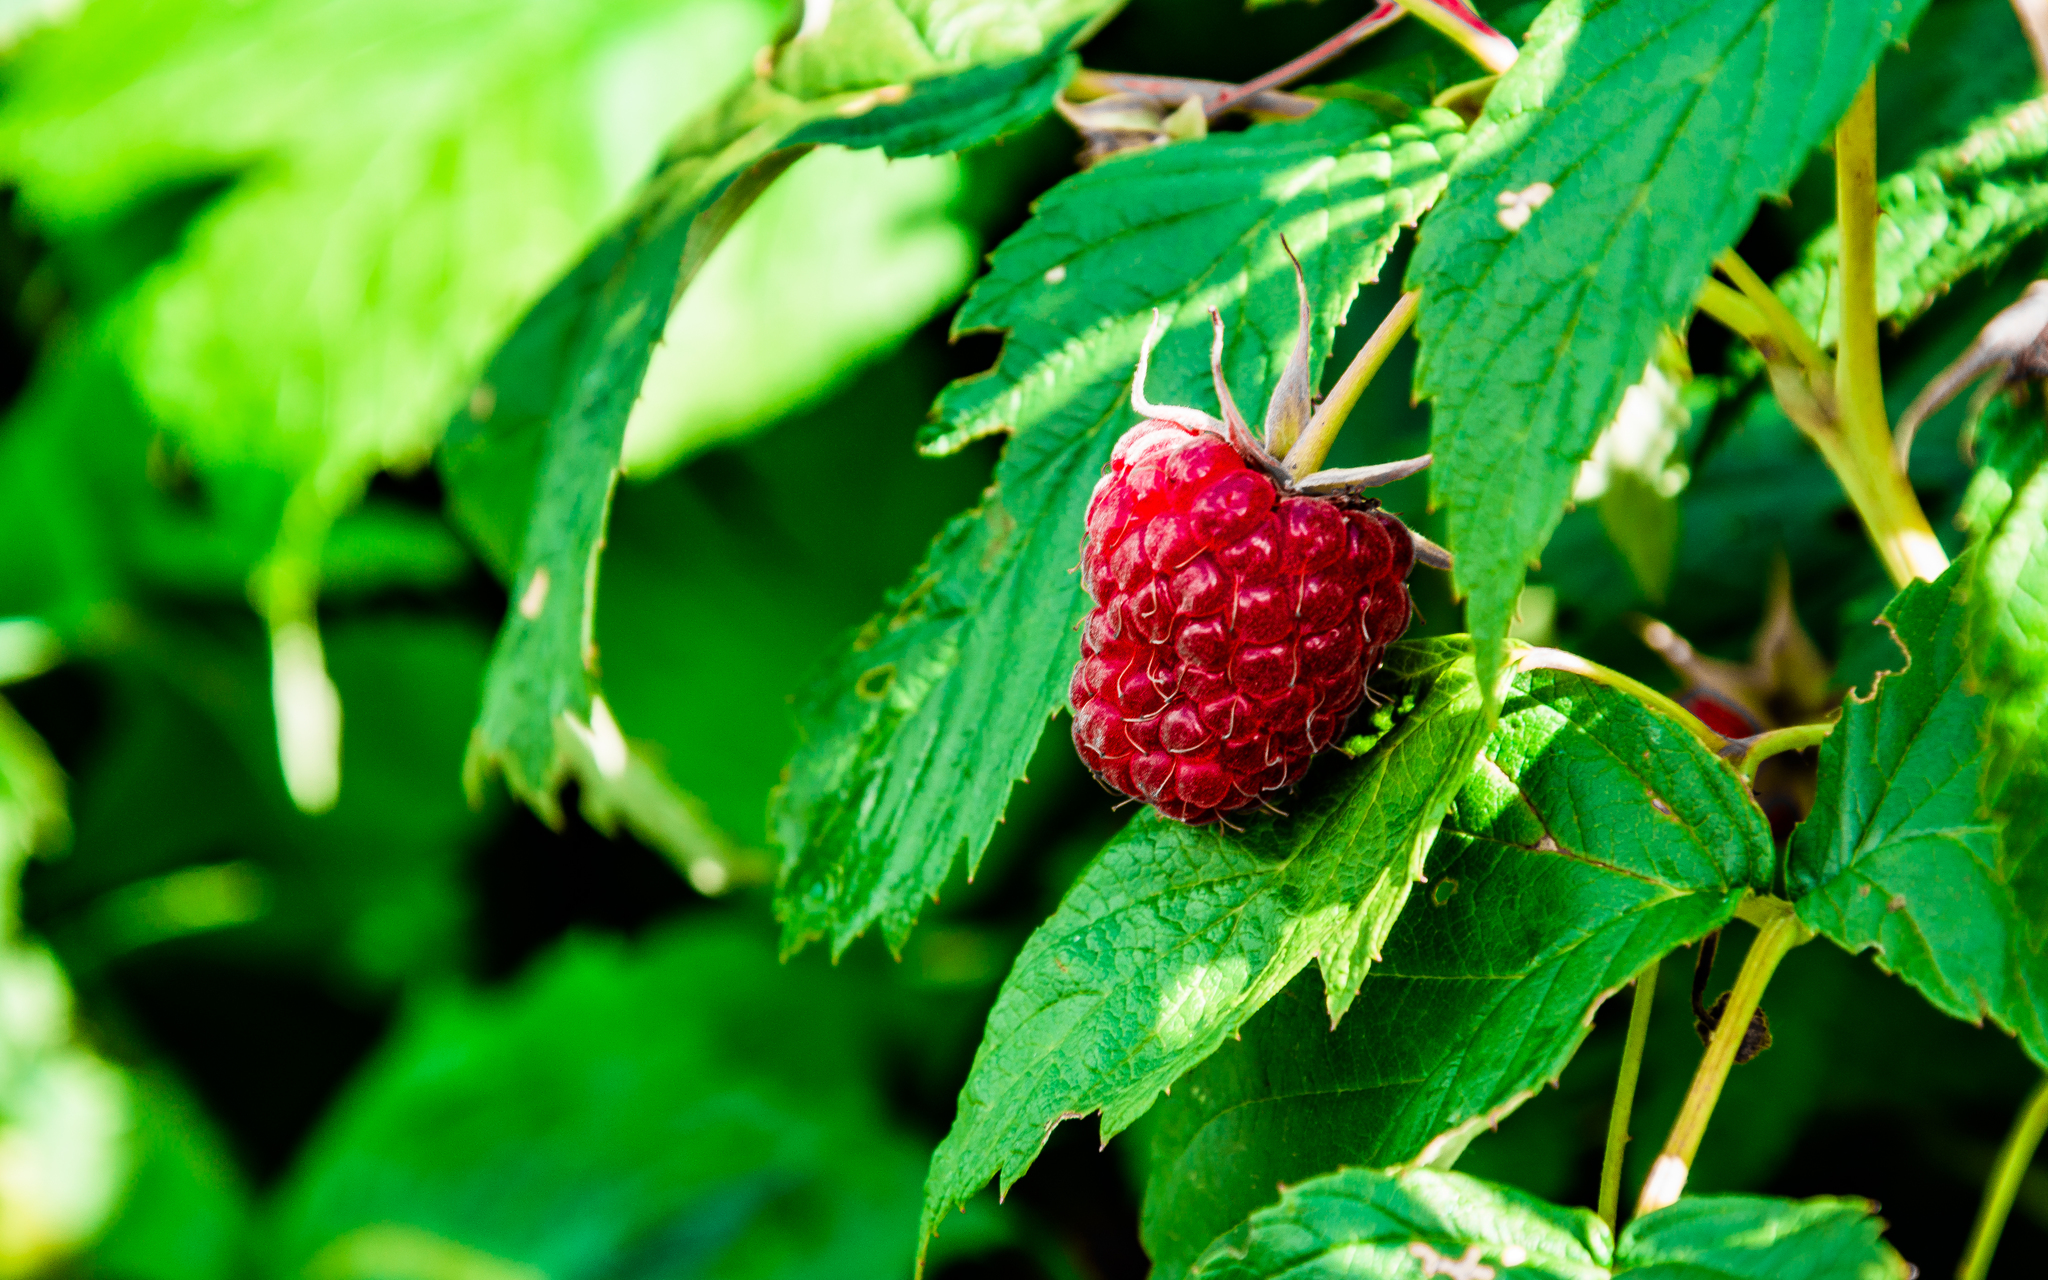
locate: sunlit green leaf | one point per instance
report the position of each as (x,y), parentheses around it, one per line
(1624,150)
(1175,935)
(914,737)
(1370,1225)
(1901,852)
(1595,836)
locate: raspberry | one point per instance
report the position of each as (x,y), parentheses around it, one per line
(1235,622)
(1241,601)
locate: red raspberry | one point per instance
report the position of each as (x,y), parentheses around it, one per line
(1235,622)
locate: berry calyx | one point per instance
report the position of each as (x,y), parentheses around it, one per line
(1239,611)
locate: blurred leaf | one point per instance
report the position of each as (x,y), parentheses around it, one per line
(1175,935)
(32,812)
(410,179)
(1619,124)
(724,580)
(1594,837)
(1362,1223)
(539,447)
(1959,208)
(684,1106)
(184,828)
(2006,621)
(185,1213)
(841,258)
(1966,59)
(1899,852)
(912,739)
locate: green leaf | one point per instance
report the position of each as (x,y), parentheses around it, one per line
(955,112)
(845,255)
(2007,626)
(411,178)
(1555,877)
(1957,209)
(1654,128)
(683,1106)
(539,447)
(1366,1224)
(541,684)
(1900,852)
(913,738)
(1175,935)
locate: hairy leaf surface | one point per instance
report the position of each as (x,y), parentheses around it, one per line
(1958,209)
(1595,836)
(1624,150)
(1900,852)
(1175,935)
(1378,1226)
(914,737)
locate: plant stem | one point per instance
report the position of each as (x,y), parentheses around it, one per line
(1782,323)
(1625,1093)
(1883,497)
(1308,452)
(1735,312)
(2013,1159)
(1667,1177)
(1383,15)
(1774,742)
(1489,48)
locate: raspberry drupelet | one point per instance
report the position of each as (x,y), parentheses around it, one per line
(1238,611)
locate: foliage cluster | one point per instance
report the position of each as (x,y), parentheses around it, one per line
(454,447)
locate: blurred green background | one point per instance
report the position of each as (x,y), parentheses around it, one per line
(252,259)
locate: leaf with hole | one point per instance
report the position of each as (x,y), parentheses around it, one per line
(1626,148)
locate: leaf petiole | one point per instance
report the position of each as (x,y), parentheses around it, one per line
(2013,1159)
(1625,1093)
(1536,658)
(1890,510)
(1778,320)
(1489,48)
(1772,742)
(1781,932)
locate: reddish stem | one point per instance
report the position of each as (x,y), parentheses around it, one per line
(1383,16)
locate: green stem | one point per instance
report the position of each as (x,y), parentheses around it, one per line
(1625,1093)
(1883,497)
(1308,452)
(1781,323)
(1667,1177)
(2013,1159)
(1774,742)
(1536,658)
(1736,313)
